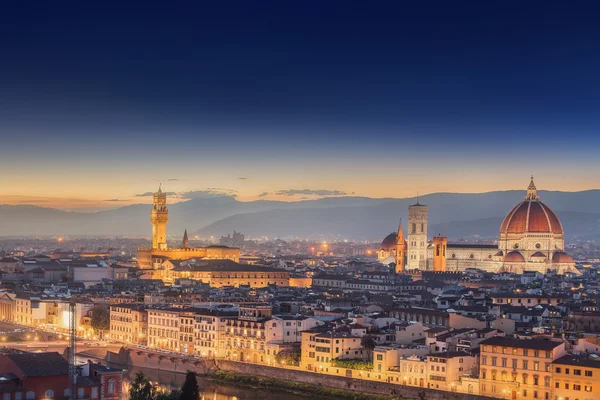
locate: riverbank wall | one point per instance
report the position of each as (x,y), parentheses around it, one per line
(161,362)
(182,364)
(339,382)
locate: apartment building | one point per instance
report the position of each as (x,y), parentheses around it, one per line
(187,338)
(209,331)
(129,323)
(576,377)
(445,370)
(245,336)
(518,368)
(163,328)
(318,349)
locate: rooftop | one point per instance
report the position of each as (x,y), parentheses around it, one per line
(40,364)
(534,344)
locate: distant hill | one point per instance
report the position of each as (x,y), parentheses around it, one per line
(452,214)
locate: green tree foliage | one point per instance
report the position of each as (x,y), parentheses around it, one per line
(141,388)
(190,389)
(368,343)
(357,364)
(101,319)
(289,357)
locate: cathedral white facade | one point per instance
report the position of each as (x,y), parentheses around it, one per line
(531,238)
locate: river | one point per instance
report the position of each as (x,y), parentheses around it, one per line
(209,389)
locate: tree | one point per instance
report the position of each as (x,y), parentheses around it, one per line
(289,357)
(141,388)
(190,389)
(100,319)
(368,343)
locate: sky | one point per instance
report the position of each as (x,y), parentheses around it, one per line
(99,102)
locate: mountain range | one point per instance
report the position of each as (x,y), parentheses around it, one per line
(452,214)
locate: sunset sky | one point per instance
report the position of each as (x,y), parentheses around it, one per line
(272,101)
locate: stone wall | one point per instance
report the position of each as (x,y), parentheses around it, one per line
(161,362)
(339,382)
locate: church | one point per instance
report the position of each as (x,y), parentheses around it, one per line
(531,238)
(153,257)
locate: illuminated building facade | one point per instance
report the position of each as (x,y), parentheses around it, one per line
(514,368)
(129,323)
(531,238)
(152,257)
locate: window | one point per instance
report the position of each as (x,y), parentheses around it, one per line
(6,396)
(95,392)
(577,372)
(576,387)
(49,394)
(30,395)
(80,393)
(588,373)
(587,388)
(558,370)
(111,386)
(379,357)
(525,364)
(18,396)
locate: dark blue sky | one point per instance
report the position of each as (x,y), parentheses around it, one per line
(307,78)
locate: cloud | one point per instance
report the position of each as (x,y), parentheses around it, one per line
(115,200)
(242,178)
(208,193)
(304,192)
(147,194)
(172,179)
(313,192)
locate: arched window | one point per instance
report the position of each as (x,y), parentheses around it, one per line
(49,394)
(30,395)
(111,386)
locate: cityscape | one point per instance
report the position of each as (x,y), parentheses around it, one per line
(291,201)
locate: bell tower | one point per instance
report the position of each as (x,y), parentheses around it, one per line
(159,216)
(400,250)
(417,236)
(440,243)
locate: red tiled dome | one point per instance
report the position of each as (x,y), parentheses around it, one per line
(561,257)
(538,254)
(514,256)
(531,216)
(389,243)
